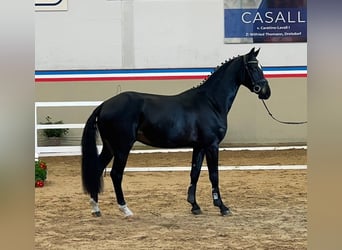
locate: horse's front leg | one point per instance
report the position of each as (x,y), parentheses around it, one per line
(197,160)
(212,161)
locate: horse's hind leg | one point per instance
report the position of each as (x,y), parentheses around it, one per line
(197,160)
(212,161)
(105,157)
(116,174)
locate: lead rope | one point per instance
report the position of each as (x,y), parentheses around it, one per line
(284,122)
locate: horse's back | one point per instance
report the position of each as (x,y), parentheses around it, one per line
(123,101)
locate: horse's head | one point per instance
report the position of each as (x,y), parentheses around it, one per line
(253,76)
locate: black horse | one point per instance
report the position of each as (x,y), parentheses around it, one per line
(196,118)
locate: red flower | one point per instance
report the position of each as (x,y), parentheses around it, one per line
(39,183)
(42,165)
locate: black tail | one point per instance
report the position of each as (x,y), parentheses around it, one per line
(91,174)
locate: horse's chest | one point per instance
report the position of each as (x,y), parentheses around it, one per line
(215,132)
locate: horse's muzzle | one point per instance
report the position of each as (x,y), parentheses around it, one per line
(263,90)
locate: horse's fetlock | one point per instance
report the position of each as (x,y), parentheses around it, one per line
(217,202)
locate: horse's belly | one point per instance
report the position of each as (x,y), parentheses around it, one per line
(164,140)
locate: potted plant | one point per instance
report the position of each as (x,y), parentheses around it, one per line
(54,135)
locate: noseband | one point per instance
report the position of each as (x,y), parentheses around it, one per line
(256,84)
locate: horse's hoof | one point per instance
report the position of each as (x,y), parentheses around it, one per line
(125,210)
(128,216)
(226,212)
(96,214)
(196,211)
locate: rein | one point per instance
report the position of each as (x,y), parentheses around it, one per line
(257,88)
(283,122)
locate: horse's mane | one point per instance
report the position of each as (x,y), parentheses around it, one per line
(218,71)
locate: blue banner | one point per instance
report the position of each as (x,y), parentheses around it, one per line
(266,25)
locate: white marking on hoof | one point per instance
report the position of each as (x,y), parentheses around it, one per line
(95,210)
(127,212)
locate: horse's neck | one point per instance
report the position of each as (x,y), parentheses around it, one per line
(222,89)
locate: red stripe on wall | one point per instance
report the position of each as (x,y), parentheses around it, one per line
(120,78)
(286,75)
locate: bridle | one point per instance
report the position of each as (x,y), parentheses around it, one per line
(255,83)
(257,88)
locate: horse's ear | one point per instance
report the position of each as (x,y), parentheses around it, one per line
(256,52)
(252,51)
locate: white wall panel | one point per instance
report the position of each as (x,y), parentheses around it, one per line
(87,36)
(145,34)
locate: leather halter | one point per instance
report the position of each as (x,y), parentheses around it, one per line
(258,83)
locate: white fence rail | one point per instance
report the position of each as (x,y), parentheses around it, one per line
(69,150)
(76,150)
